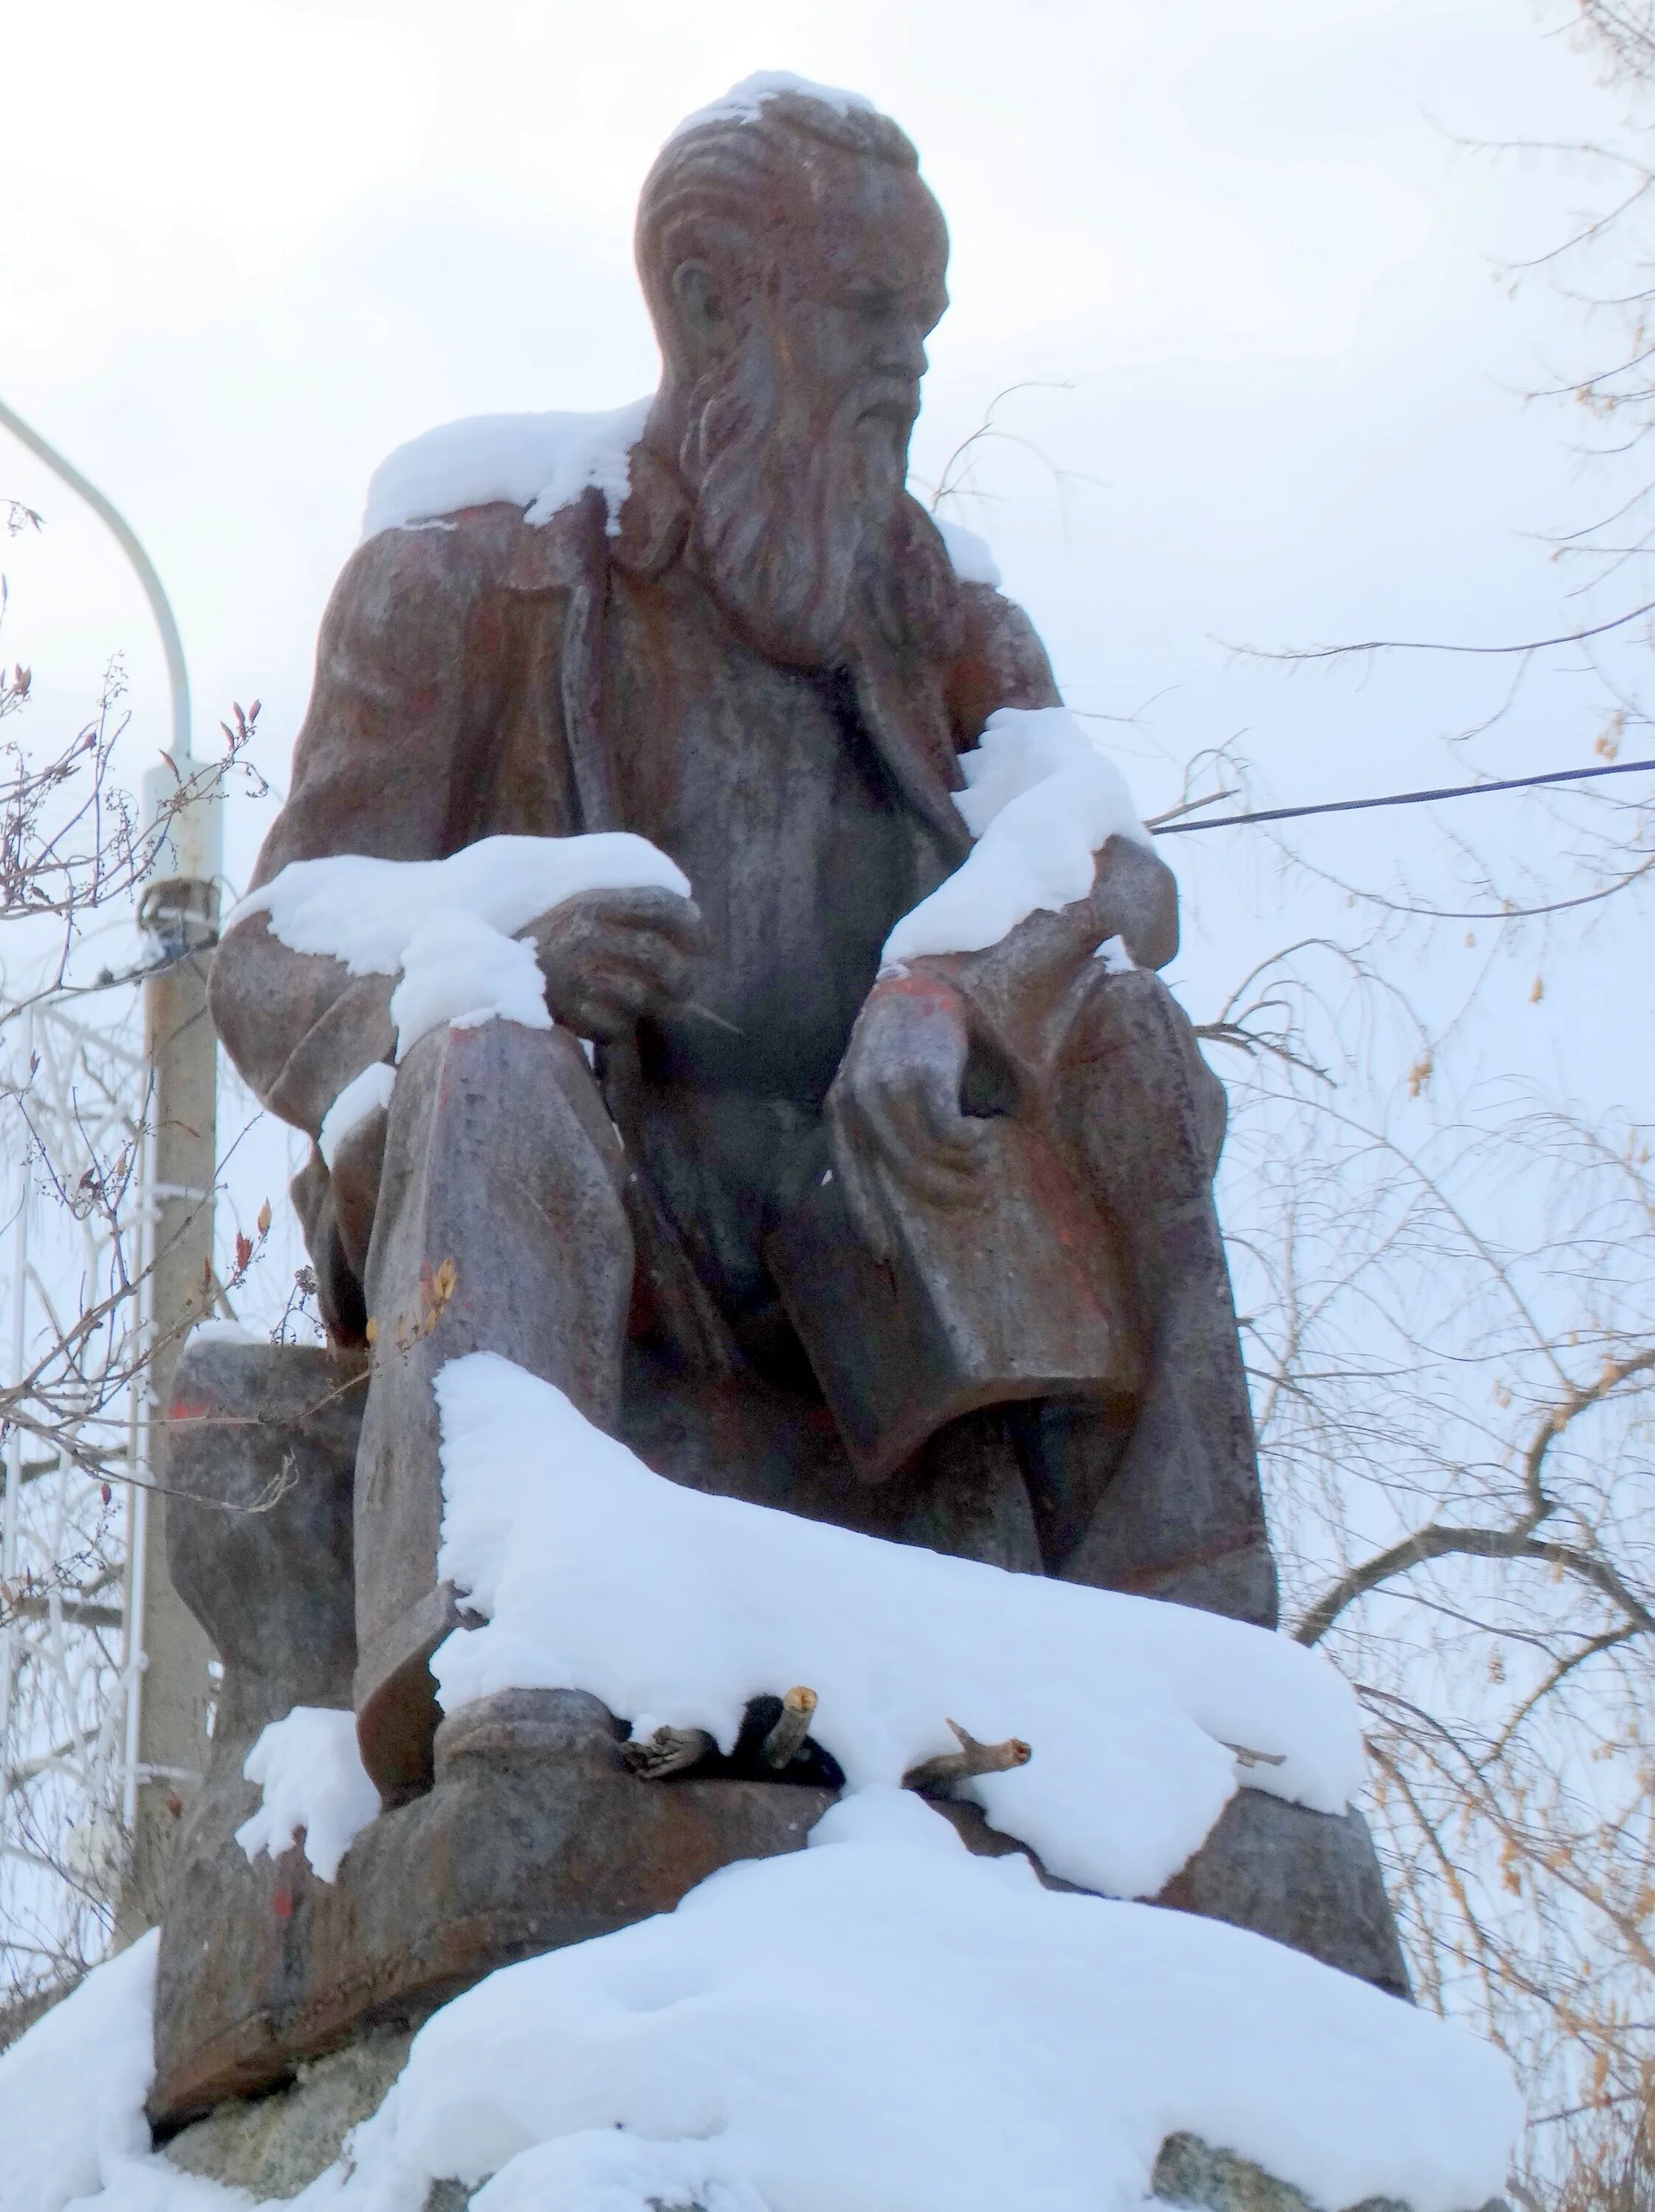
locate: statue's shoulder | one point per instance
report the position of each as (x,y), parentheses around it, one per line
(516,502)
(1000,660)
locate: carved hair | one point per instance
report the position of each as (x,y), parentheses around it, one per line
(717,189)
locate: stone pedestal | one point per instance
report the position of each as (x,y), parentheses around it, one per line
(534,1833)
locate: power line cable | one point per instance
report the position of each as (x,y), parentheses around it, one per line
(1398,798)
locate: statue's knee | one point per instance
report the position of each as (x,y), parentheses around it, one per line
(1138,1076)
(500,1091)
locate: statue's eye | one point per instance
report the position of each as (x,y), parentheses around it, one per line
(871,302)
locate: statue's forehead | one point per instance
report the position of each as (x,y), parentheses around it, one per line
(871,218)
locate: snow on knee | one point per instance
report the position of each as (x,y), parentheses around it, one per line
(595,1574)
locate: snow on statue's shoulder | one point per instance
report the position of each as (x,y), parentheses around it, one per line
(743,101)
(969,556)
(541,463)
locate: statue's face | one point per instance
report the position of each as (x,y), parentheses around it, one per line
(860,295)
(807,385)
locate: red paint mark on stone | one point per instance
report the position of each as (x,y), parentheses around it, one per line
(284,1901)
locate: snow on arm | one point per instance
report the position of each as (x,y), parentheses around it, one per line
(310,1773)
(449,927)
(595,1574)
(541,463)
(364,911)
(1041,800)
(459,970)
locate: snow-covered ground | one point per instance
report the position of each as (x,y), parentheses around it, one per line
(881,2021)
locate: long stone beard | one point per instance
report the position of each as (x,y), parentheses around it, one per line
(801,528)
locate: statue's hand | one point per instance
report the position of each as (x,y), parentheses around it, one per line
(893,1112)
(611,957)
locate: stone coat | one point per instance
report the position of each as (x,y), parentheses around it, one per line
(460,693)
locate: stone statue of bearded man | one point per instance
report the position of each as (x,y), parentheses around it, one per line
(923,1246)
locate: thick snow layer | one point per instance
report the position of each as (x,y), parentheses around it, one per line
(364,911)
(595,1574)
(315,1785)
(880,2020)
(456,968)
(363,1095)
(1041,800)
(743,101)
(972,561)
(72,2089)
(541,463)
(448,927)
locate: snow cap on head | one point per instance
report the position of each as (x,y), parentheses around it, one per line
(743,102)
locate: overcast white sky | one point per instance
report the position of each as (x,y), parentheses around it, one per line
(248,248)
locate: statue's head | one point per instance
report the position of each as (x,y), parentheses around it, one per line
(794,264)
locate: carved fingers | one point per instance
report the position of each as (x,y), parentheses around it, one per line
(667,1751)
(893,1112)
(612,958)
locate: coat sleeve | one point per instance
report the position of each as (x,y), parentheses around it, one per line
(403,677)
(1004,664)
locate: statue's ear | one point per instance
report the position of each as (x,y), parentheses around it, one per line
(706,316)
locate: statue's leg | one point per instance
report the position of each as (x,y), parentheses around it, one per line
(1175,1510)
(500,1162)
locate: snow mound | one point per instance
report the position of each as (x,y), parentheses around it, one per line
(448,926)
(314,1784)
(541,463)
(743,102)
(972,561)
(880,2020)
(72,2089)
(1041,799)
(595,1574)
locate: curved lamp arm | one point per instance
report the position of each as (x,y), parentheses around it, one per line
(178,675)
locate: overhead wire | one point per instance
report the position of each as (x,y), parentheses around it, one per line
(1398,798)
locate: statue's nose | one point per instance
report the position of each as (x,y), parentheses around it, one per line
(903,353)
